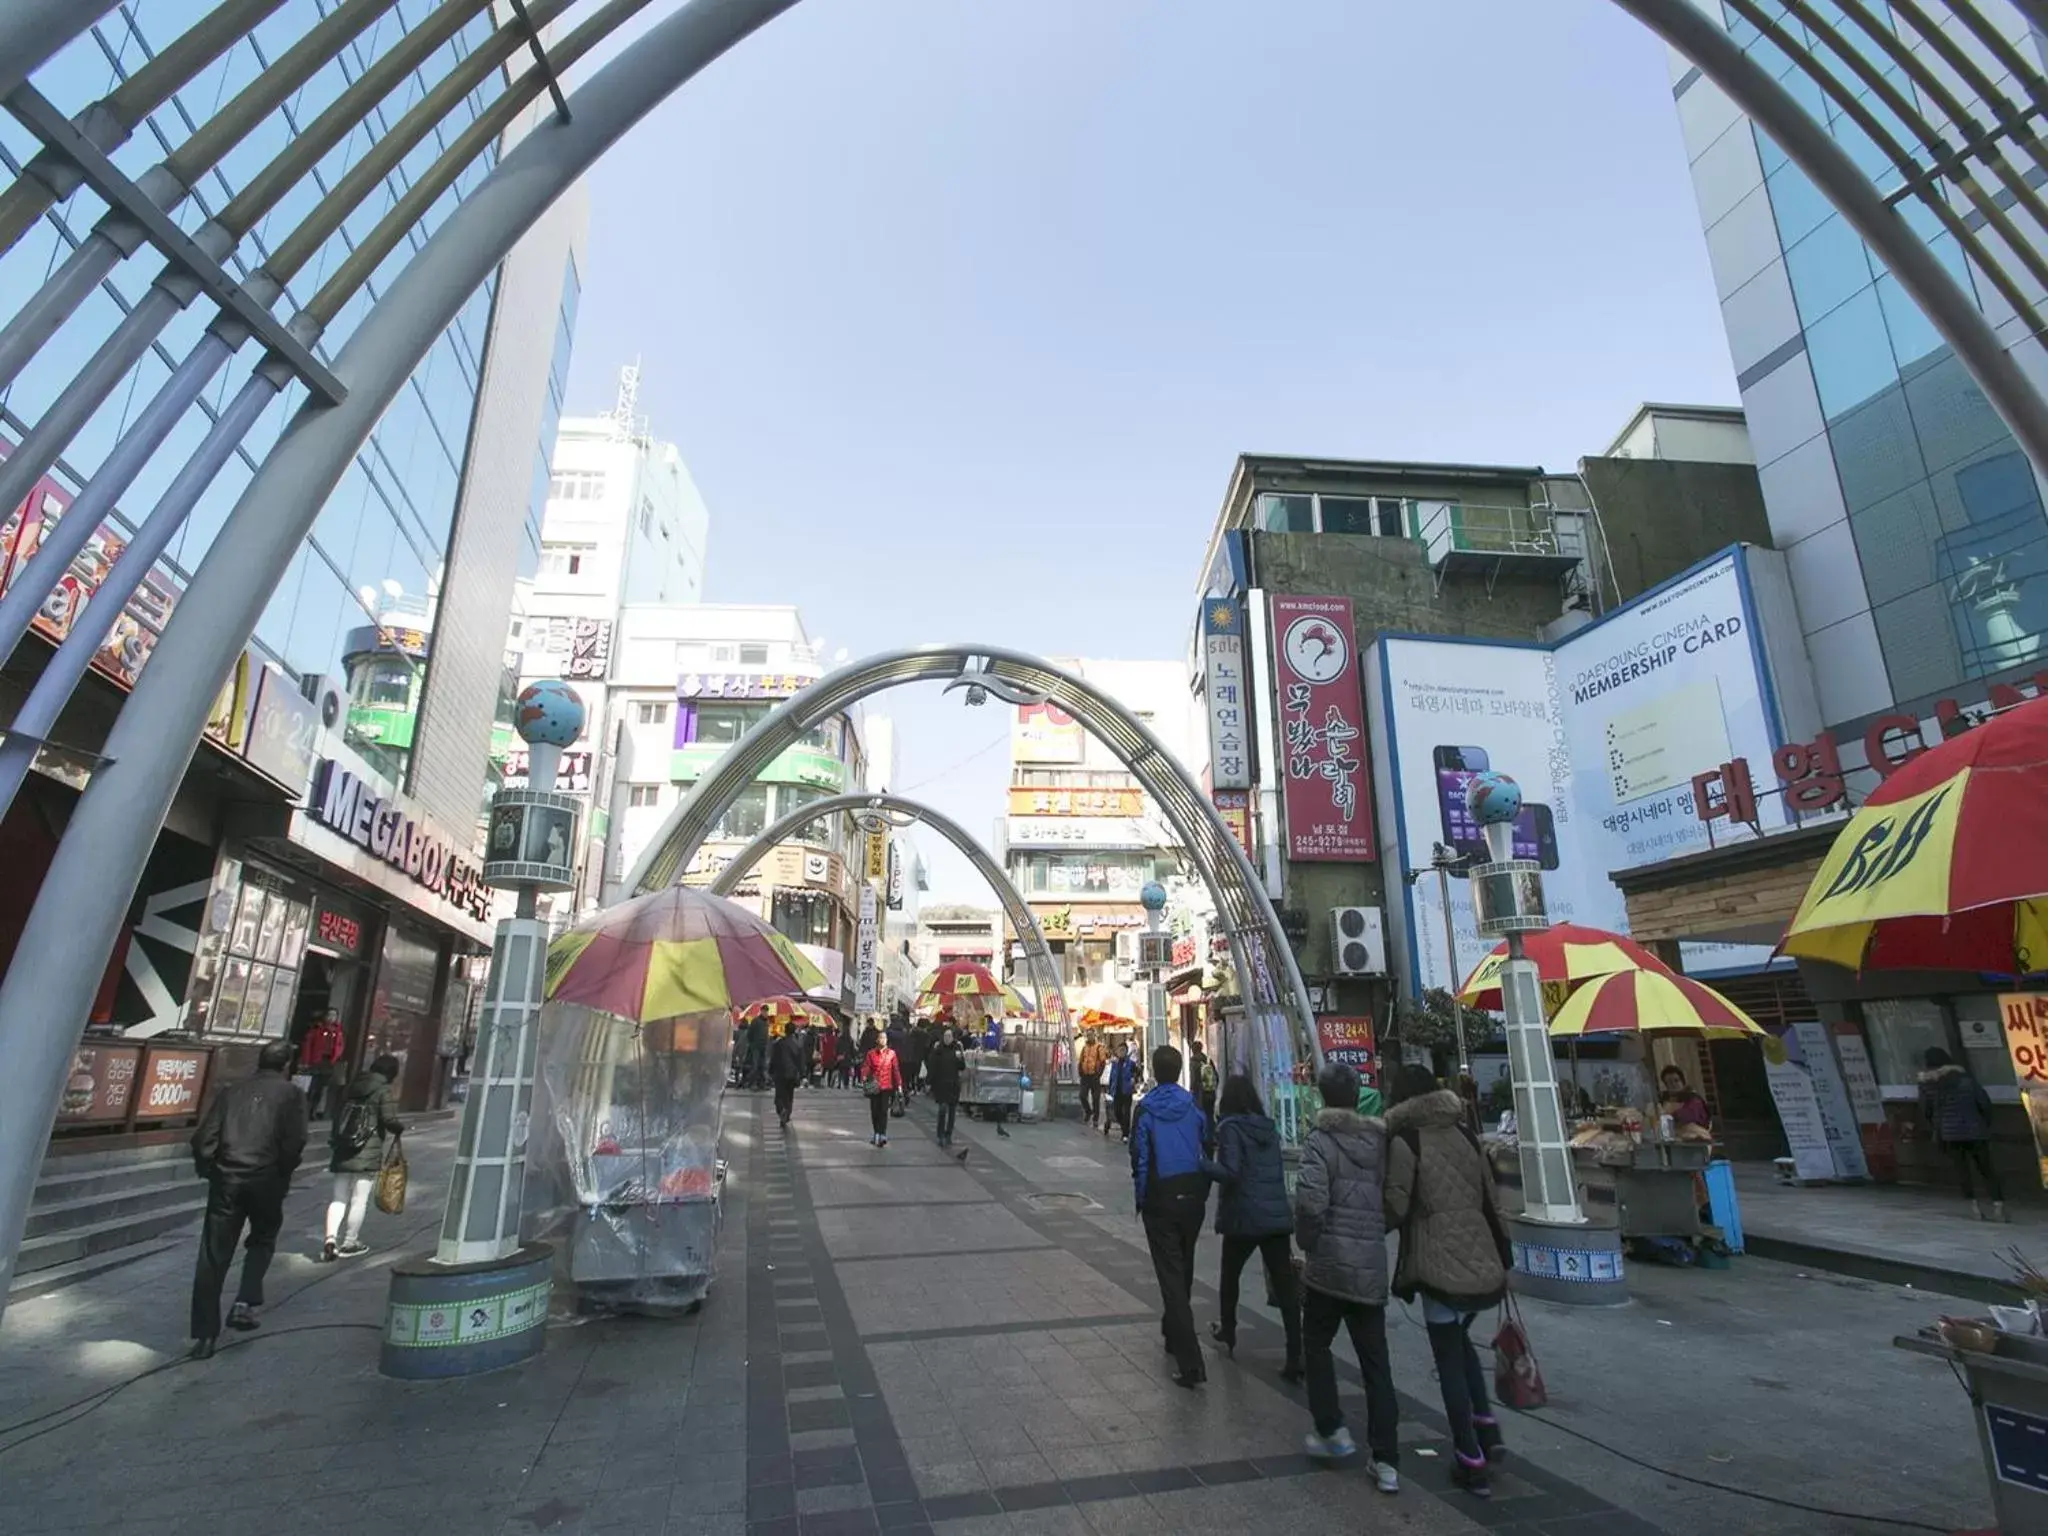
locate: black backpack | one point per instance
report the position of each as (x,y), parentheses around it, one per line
(356,1129)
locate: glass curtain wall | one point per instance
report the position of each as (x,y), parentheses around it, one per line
(384,533)
(1944,510)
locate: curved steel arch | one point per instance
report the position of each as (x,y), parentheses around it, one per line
(1268,978)
(99,862)
(1021,917)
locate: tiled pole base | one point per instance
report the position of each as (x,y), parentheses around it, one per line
(1578,1264)
(446,1320)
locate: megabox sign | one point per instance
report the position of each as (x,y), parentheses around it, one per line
(348,807)
(1604,731)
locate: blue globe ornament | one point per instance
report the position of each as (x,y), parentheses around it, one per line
(549,714)
(1493,798)
(1153,897)
(1024,1081)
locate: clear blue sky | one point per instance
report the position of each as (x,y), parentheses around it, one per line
(961,310)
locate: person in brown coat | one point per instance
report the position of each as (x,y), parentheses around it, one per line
(1454,1253)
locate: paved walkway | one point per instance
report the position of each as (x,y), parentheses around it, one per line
(899,1343)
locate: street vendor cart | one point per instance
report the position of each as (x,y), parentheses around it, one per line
(992,1084)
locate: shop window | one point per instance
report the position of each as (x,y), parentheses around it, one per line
(1901,1029)
(803,917)
(723,724)
(745,819)
(257,976)
(1982,1027)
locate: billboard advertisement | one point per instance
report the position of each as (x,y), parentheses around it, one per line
(1045,733)
(1228,699)
(1604,732)
(1322,730)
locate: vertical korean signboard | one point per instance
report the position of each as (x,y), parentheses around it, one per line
(1229,702)
(2026,1036)
(867,944)
(1322,730)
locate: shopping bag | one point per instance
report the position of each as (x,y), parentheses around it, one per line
(303,1081)
(1517,1378)
(391,1180)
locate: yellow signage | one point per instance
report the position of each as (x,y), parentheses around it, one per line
(1077,802)
(878,856)
(1045,733)
(2025,1016)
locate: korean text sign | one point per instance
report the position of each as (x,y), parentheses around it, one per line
(1322,730)
(1228,696)
(2025,1015)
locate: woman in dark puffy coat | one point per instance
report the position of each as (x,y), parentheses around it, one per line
(1454,1253)
(1959,1111)
(1252,1213)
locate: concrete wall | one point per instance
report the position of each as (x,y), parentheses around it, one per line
(1392,587)
(1661,516)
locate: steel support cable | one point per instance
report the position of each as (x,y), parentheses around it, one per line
(1953,162)
(115,236)
(138,330)
(49,178)
(1918,272)
(47,992)
(1887,143)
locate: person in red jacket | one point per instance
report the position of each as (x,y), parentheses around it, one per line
(882,1080)
(320,1050)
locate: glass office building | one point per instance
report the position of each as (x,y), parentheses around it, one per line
(1913,522)
(381,540)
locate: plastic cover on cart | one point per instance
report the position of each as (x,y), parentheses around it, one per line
(622,1171)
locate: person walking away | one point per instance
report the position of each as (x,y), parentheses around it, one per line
(911,1057)
(785,1071)
(882,1080)
(1202,1079)
(944,1068)
(1252,1214)
(1123,1086)
(809,1040)
(356,1146)
(1093,1059)
(1956,1106)
(828,1056)
(320,1051)
(1172,1193)
(246,1147)
(757,1051)
(1454,1254)
(1341,1227)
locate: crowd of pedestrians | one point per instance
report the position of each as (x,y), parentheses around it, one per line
(1417,1172)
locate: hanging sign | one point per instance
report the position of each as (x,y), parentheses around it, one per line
(867,948)
(1228,699)
(1322,730)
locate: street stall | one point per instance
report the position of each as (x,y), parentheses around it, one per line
(969,997)
(624,1175)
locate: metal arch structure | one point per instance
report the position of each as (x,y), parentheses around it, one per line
(1268,979)
(1956,139)
(890,808)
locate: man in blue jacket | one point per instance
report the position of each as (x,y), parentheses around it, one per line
(1172,1193)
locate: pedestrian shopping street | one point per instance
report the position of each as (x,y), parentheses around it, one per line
(898,1342)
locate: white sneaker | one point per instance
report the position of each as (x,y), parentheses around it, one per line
(1333,1447)
(1384,1477)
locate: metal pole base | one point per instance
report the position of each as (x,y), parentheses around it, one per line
(1576,1263)
(447,1320)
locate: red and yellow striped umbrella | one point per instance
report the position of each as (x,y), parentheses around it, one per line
(1564,953)
(958,978)
(673,952)
(781,1012)
(1650,1003)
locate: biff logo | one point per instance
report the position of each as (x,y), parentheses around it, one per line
(1888,847)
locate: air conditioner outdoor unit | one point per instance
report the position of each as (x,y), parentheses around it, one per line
(329,698)
(1358,946)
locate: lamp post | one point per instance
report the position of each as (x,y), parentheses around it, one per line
(480,1300)
(1153,899)
(1557,1254)
(1443,860)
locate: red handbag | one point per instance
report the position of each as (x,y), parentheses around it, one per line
(1517,1378)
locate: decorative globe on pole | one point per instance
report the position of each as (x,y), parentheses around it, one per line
(480,1300)
(1153,899)
(1558,1256)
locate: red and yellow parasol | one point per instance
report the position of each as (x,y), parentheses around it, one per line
(1565,953)
(1105,1005)
(1945,867)
(674,952)
(957,979)
(1645,1002)
(782,1012)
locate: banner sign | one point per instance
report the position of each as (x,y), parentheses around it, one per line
(1045,733)
(1077,802)
(350,808)
(1322,730)
(2025,1015)
(746,685)
(1228,698)
(1235,807)
(1603,732)
(1121,832)
(877,855)
(1346,1040)
(867,947)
